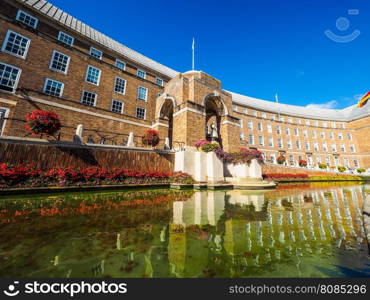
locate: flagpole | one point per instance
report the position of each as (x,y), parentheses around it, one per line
(277,101)
(193,55)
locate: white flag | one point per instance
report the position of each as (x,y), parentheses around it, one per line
(276,98)
(193,45)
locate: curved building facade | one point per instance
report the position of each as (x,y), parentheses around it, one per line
(50,60)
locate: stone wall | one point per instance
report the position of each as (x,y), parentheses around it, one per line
(44,156)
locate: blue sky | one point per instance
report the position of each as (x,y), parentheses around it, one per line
(255,47)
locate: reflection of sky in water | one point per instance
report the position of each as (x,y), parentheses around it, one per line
(316,232)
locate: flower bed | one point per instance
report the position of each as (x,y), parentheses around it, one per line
(25,176)
(284,176)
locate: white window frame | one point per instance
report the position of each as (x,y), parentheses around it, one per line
(352,148)
(144,113)
(101,53)
(115,83)
(95,101)
(6,115)
(123,106)
(289,143)
(137,73)
(261,140)
(162,81)
(11,53)
(259,126)
(27,14)
(249,139)
(280,143)
(87,74)
(16,80)
(52,59)
(122,62)
(59,38)
(271,141)
(61,89)
(343,147)
(146,94)
(250,124)
(269,128)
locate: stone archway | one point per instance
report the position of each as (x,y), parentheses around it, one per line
(214,109)
(166,113)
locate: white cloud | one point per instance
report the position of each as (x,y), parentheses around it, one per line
(329,105)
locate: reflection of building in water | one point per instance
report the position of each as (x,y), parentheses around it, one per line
(255,230)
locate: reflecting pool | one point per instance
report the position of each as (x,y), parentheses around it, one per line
(298,230)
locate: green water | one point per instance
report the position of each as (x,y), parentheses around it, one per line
(297,230)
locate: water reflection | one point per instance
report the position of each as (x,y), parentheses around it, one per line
(300,230)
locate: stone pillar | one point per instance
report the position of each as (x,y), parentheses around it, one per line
(131,140)
(215,168)
(200,166)
(167,144)
(255,169)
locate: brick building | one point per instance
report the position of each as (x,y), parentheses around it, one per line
(52,61)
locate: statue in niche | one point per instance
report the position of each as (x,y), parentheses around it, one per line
(214,134)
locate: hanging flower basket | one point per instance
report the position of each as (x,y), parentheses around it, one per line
(281,159)
(42,122)
(151,138)
(302,163)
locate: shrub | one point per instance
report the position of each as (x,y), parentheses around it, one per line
(323,166)
(210,147)
(201,143)
(285,176)
(361,170)
(151,138)
(341,168)
(281,159)
(302,163)
(40,121)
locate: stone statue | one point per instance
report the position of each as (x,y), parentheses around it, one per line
(214,132)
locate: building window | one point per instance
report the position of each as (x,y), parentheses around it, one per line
(316,146)
(298,144)
(281,119)
(27,19)
(340,135)
(117,106)
(66,38)
(59,62)
(317,123)
(96,53)
(142,93)
(261,140)
(93,75)
(4,112)
(299,121)
(141,74)
(241,136)
(271,141)
(280,143)
(333,125)
(235,108)
(16,44)
(140,113)
(314,134)
(251,139)
(342,147)
(355,163)
(269,128)
(245,111)
(327,160)
(333,147)
(264,116)
(324,124)
(120,64)
(290,120)
(159,81)
(9,77)
(255,113)
(296,132)
(308,123)
(331,135)
(250,124)
(305,133)
(289,144)
(342,126)
(346,162)
(325,147)
(259,126)
(307,145)
(273,158)
(278,129)
(318,159)
(53,88)
(241,123)
(273,117)
(120,86)
(352,148)
(322,135)
(88,98)
(349,136)
(287,131)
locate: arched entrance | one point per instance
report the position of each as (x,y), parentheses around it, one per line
(214,109)
(166,113)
